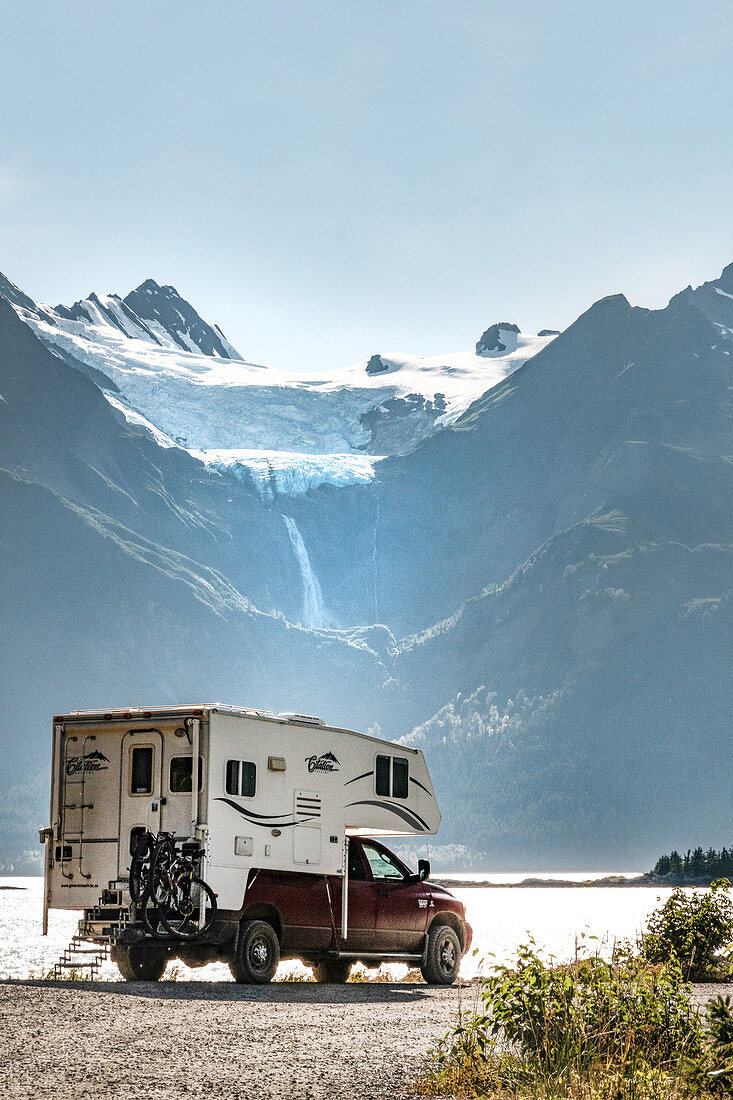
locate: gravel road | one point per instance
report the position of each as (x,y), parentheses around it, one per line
(199,1039)
(104,1040)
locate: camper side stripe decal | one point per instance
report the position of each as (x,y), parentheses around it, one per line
(421,785)
(267,824)
(363,776)
(247,813)
(401,811)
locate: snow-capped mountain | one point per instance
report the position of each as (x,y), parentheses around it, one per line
(168,371)
(173,318)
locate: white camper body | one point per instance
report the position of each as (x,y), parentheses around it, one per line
(257,790)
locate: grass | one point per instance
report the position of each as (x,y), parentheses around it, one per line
(587,1030)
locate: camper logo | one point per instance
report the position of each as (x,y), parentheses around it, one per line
(94,762)
(325,763)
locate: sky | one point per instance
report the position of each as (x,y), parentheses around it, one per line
(333,178)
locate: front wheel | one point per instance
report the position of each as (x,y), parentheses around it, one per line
(336,972)
(443,956)
(140,962)
(257,955)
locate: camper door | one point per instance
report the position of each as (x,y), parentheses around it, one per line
(140,790)
(155,786)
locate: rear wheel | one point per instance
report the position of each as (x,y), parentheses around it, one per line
(257,955)
(337,972)
(140,962)
(443,956)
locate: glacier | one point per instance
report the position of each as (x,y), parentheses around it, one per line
(163,363)
(290,473)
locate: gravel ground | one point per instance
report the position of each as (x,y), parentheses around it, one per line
(199,1039)
(302,1041)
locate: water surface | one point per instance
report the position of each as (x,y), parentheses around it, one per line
(502,919)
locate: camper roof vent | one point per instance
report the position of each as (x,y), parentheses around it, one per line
(304,719)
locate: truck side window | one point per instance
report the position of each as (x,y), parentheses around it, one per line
(141,769)
(241,778)
(383,865)
(356,867)
(392,774)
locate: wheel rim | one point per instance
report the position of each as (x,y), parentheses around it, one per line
(259,954)
(447,955)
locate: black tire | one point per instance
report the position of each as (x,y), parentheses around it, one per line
(443,956)
(336,972)
(187,924)
(257,955)
(140,962)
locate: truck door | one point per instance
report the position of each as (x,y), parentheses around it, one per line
(362,915)
(402,904)
(140,790)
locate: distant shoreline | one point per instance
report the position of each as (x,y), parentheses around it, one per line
(451,883)
(571,884)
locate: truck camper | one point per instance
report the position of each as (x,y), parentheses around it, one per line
(266,829)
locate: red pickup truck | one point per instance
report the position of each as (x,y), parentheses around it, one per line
(393,916)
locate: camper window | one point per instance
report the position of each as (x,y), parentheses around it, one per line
(241,778)
(141,769)
(179,774)
(392,774)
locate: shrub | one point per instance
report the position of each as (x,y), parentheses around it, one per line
(691,929)
(591,1028)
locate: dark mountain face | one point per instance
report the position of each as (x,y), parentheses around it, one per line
(163,306)
(550,577)
(562,558)
(498,338)
(715,300)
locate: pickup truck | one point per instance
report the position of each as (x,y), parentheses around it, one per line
(394,915)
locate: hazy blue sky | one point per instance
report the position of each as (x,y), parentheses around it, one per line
(332,179)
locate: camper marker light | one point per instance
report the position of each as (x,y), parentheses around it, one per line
(276,763)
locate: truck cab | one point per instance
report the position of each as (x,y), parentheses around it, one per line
(393,914)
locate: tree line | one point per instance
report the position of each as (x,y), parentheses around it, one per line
(697,865)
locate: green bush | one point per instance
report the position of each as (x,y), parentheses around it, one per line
(691,929)
(589,1029)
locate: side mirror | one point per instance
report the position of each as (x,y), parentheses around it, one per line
(423,869)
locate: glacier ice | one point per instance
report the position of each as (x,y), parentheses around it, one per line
(289,473)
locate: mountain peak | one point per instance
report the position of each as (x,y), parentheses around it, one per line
(165,312)
(714,299)
(498,338)
(377,365)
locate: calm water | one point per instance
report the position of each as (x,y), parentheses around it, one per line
(501,919)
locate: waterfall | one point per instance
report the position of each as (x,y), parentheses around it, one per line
(314,611)
(375,566)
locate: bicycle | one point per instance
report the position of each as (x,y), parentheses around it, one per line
(173,901)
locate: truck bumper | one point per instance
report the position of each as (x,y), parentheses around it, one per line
(467,937)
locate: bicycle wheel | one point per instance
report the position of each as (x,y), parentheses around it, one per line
(148,912)
(162,858)
(140,866)
(191,912)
